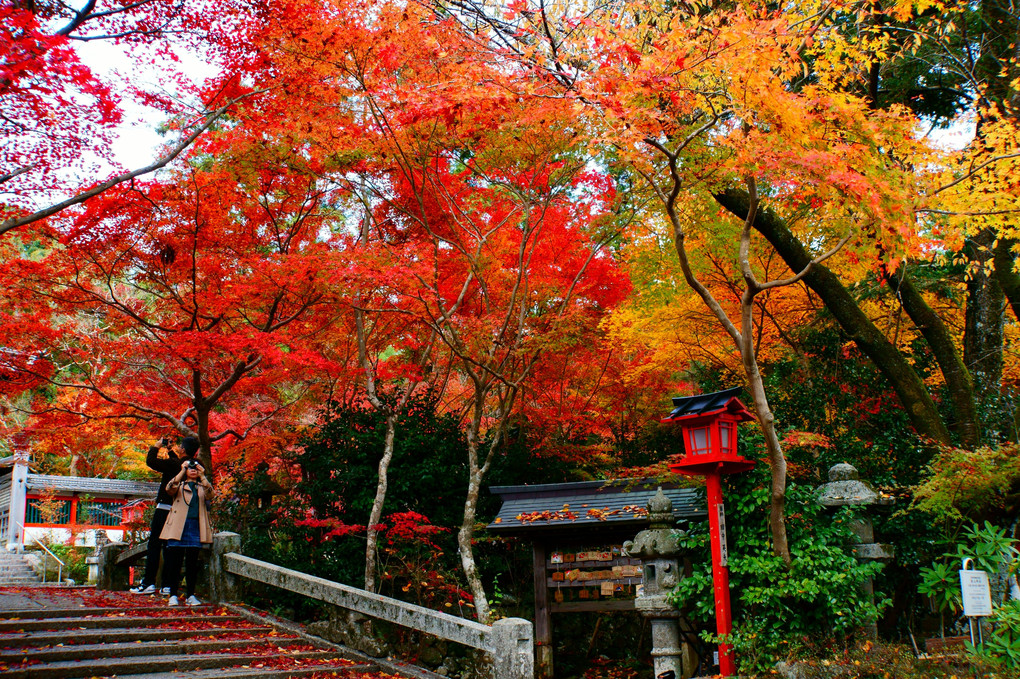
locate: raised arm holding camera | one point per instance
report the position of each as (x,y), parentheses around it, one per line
(187,528)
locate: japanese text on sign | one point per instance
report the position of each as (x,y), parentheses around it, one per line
(724,553)
(977,595)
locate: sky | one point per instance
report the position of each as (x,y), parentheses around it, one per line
(138,140)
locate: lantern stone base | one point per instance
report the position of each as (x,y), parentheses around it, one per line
(655,607)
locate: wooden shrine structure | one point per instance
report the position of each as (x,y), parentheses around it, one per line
(577,531)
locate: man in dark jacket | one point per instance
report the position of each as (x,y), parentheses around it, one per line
(168,468)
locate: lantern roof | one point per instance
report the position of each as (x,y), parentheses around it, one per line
(709,404)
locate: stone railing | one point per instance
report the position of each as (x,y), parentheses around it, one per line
(509,642)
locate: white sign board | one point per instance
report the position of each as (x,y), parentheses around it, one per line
(977,595)
(724,551)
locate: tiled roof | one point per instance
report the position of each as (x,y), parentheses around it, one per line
(587,505)
(78,484)
(702,403)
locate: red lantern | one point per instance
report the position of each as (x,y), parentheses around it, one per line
(709,423)
(709,426)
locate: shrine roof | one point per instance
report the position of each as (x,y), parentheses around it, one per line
(587,505)
(79,484)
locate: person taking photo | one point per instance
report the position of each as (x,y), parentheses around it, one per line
(187,529)
(168,467)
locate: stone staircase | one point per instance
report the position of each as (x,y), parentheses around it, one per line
(144,641)
(14,570)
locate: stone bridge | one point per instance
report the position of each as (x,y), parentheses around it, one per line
(84,632)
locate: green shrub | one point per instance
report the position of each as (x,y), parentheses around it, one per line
(74,559)
(1002,645)
(778,610)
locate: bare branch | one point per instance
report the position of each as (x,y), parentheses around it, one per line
(210,118)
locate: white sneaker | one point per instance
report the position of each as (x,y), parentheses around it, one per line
(173,602)
(151,589)
(193,601)
(165,591)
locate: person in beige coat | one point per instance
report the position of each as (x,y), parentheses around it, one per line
(187,529)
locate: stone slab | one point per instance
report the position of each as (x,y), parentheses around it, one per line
(134,649)
(341,671)
(51,638)
(110,667)
(101,623)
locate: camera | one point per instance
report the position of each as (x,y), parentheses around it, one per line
(191,464)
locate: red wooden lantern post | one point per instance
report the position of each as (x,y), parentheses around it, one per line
(709,424)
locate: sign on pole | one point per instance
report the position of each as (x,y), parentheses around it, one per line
(724,550)
(977,595)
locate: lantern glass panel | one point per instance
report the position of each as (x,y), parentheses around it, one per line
(699,440)
(727,440)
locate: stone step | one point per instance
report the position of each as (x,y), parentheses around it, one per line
(102,636)
(15,582)
(340,671)
(109,667)
(74,624)
(132,611)
(79,651)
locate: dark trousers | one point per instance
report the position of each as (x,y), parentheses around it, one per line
(155,547)
(172,568)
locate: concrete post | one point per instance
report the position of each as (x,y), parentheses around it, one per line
(15,538)
(513,655)
(109,576)
(223,586)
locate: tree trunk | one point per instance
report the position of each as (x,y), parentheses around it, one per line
(909,387)
(940,341)
(766,422)
(1005,273)
(375,516)
(204,440)
(467,527)
(983,334)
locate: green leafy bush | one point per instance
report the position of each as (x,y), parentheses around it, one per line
(1002,645)
(74,559)
(776,610)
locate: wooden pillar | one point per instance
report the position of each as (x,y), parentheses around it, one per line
(543,626)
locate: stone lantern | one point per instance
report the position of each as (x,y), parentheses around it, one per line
(845,488)
(659,552)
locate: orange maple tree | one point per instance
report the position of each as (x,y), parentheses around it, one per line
(192,304)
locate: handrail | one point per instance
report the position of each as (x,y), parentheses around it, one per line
(60,568)
(510,641)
